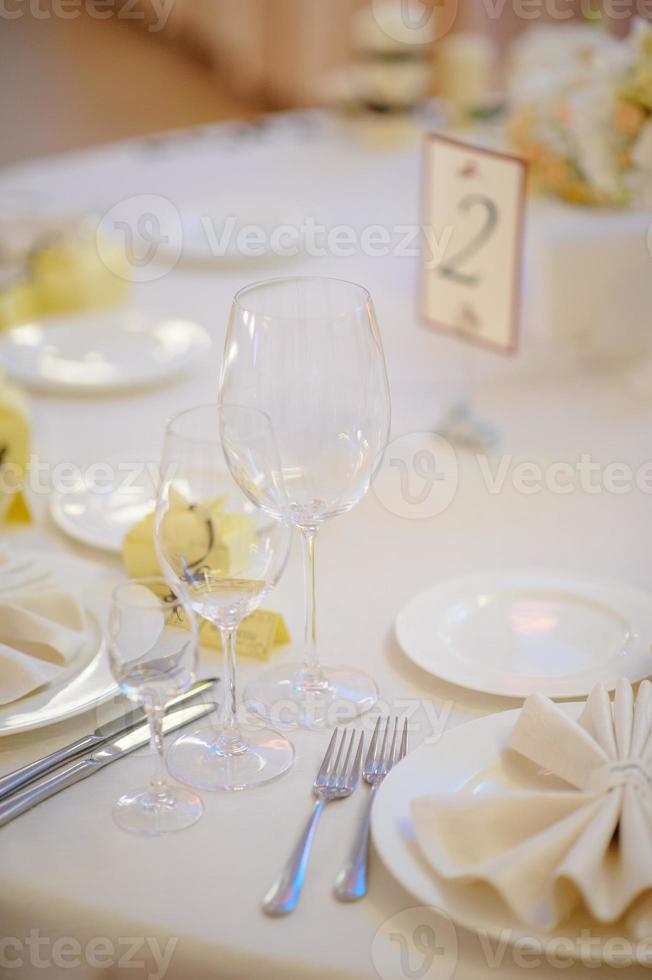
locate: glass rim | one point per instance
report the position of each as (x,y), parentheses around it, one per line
(215,406)
(259,284)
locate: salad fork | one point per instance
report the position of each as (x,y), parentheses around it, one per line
(335,780)
(351,882)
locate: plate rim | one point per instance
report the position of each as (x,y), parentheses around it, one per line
(37,383)
(106,694)
(552,690)
(501,722)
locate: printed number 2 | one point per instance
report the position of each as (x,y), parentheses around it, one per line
(451,269)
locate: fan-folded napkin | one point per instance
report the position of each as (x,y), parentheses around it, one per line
(547,851)
(40,632)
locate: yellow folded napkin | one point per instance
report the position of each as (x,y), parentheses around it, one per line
(40,632)
(546,851)
(224,547)
(68,274)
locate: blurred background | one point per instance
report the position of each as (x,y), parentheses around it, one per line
(78,72)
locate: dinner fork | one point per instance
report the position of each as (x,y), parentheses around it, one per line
(335,780)
(351,882)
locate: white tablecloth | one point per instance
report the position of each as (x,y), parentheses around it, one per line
(66,871)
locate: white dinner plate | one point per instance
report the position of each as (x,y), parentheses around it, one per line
(86,682)
(517,632)
(474,758)
(100,514)
(94,353)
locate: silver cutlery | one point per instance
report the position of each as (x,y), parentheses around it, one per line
(351,882)
(337,778)
(82,768)
(16,780)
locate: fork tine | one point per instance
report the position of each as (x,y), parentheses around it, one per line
(371,753)
(342,771)
(404,741)
(391,758)
(323,769)
(333,769)
(380,763)
(354,774)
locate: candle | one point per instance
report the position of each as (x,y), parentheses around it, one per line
(465,65)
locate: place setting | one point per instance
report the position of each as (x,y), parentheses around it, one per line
(533,821)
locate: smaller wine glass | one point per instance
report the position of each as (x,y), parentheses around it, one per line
(153,649)
(224,556)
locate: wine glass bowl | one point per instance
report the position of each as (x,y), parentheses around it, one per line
(307,354)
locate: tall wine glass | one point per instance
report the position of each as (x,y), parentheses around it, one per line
(152,645)
(307,353)
(223,555)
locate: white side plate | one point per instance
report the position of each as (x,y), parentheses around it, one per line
(473,758)
(88,354)
(517,632)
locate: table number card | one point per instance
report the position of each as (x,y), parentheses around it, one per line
(471,258)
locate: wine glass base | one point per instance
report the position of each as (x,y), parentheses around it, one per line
(198,760)
(286,698)
(153,814)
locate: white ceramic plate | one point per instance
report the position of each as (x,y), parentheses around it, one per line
(474,758)
(100,516)
(223,236)
(86,682)
(522,631)
(94,353)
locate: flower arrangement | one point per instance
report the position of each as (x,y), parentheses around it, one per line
(581,113)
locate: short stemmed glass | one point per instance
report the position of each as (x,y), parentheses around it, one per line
(153,649)
(223,555)
(307,353)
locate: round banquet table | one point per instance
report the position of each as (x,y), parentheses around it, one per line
(67,871)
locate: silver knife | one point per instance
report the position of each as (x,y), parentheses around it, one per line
(81,768)
(111,729)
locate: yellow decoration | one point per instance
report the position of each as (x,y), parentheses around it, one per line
(66,276)
(224,547)
(18,512)
(14,453)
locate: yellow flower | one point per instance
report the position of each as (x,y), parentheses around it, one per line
(628,118)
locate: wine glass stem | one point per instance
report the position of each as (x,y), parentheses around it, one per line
(230,740)
(158,783)
(311,665)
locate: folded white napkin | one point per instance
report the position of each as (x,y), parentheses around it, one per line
(40,632)
(547,851)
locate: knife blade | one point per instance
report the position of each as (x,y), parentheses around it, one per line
(103,733)
(110,752)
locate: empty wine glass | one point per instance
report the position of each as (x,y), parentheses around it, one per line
(223,555)
(308,354)
(152,646)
